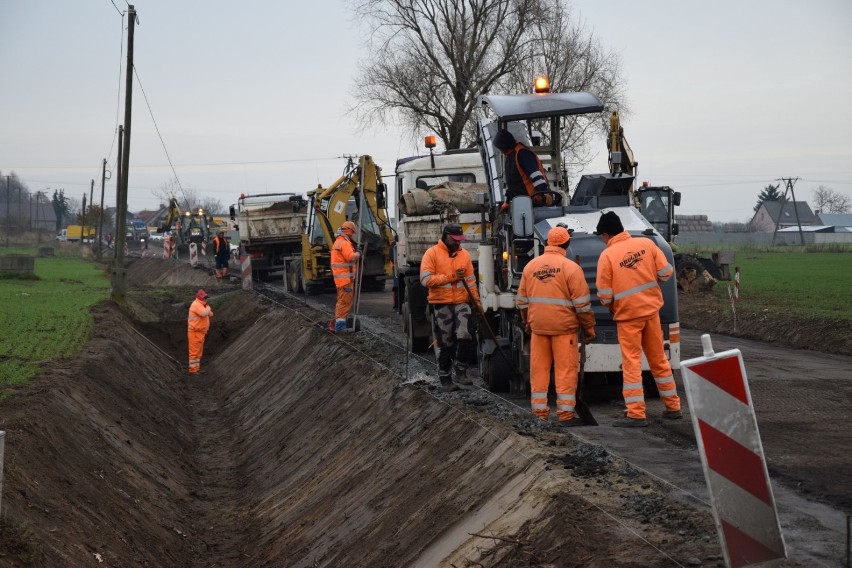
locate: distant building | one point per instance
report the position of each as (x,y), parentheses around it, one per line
(36,213)
(835,219)
(784,214)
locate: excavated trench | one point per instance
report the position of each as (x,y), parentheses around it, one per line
(300,448)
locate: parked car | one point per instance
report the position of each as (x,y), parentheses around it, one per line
(156,237)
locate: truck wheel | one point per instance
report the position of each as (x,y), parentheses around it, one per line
(293,278)
(414,344)
(372,284)
(692,277)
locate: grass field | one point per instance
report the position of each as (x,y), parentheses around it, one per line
(46,318)
(803,283)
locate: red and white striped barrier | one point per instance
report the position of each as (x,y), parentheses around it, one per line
(732,456)
(167,247)
(193,254)
(203,248)
(245,270)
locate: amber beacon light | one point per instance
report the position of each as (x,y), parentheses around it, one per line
(542,85)
(430,141)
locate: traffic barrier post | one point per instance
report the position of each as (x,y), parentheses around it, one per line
(245,270)
(732,457)
(193,254)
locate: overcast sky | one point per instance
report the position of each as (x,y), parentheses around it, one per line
(725,97)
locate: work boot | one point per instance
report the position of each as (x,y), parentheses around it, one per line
(339,325)
(462,377)
(673,414)
(447,384)
(569,423)
(630,423)
(331,326)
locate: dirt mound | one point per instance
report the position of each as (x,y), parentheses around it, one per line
(146,272)
(713,314)
(298,448)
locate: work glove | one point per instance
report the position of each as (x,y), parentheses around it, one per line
(527,328)
(588,336)
(460,274)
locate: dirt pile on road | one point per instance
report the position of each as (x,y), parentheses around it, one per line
(301,448)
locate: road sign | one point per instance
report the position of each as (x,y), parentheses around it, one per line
(732,456)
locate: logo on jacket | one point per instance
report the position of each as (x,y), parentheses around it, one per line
(632,259)
(546,272)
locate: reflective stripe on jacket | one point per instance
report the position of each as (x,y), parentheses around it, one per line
(629,270)
(438,274)
(344,259)
(199,316)
(555,295)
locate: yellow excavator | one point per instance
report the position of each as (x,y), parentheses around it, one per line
(186,227)
(360,196)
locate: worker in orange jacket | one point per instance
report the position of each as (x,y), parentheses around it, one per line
(222,256)
(554,302)
(629,272)
(198,323)
(344,264)
(447,272)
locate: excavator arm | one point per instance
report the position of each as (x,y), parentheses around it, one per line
(621,159)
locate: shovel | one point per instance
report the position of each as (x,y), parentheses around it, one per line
(581,407)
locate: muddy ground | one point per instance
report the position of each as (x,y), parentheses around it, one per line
(300,448)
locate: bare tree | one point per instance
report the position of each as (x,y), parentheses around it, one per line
(829,201)
(431,59)
(187,198)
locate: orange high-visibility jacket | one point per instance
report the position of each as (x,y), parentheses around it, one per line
(533,179)
(438,274)
(628,273)
(344,259)
(553,295)
(199,316)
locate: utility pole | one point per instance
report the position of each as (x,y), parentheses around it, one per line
(118,281)
(6,226)
(101,215)
(789,183)
(83,220)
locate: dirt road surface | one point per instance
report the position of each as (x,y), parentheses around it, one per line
(302,448)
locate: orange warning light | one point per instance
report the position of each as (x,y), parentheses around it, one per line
(430,141)
(542,84)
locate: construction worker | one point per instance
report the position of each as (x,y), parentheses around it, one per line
(629,272)
(447,272)
(523,171)
(198,325)
(344,263)
(222,255)
(554,302)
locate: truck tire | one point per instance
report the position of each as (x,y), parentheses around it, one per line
(373,284)
(692,276)
(293,277)
(415,344)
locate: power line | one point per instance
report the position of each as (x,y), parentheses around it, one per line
(157,128)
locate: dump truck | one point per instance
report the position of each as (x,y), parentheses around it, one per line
(508,237)
(271,228)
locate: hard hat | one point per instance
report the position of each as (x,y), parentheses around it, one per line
(558,236)
(348,227)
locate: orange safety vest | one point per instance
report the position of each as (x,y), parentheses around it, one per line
(438,274)
(198,319)
(220,247)
(344,260)
(528,183)
(629,270)
(555,295)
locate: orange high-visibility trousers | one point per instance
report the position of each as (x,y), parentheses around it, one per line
(345,297)
(196,349)
(634,337)
(559,352)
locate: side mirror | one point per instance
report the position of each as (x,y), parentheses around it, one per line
(675,229)
(233,213)
(676,198)
(522,216)
(381,191)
